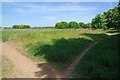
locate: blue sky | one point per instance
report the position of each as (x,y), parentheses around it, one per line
(48,13)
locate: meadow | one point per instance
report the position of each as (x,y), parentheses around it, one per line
(61,46)
(57,46)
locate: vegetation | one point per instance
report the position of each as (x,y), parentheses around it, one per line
(105,20)
(98,22)
(74,24)
(53,44)
(62,25)
(101,61)
(61,47)
(20,26)
(109,19)
(7,68)
(6,34)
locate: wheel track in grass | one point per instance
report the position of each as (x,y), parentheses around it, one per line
(31,70)
(72,66)
(68,72)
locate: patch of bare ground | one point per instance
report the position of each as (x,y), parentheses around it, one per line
(25,67)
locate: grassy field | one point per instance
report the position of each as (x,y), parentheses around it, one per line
(57,46)
(101,61)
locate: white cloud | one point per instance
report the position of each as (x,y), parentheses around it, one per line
(60,0)
(32,8)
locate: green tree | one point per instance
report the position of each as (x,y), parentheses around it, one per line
(88,25)
(61,25)
(112,18)
(82,25)
(20,26)
(74,24)
(15,27)
(65,24)
(98,22)
(118,15)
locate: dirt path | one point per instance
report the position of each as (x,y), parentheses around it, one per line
(29,69)
(25,67)
(71,68)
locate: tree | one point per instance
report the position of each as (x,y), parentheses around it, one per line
(15,27)
(82,25)
(112,18)
(88,25)
(61,25)
(98,22)
(65,24)
(20,26)
(74,24)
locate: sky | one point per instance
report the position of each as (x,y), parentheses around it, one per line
(40,14)
(59,0)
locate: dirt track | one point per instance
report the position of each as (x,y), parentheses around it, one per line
(71,68)
(25,67)
(31,70)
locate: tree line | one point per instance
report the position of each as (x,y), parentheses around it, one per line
(72,24)
(106,20)
(21,26)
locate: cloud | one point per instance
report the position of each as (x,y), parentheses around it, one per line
(33,8)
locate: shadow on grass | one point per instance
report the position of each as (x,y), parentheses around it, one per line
(101,60)
(62,52)
(113,31)
(45,71)
(96,37)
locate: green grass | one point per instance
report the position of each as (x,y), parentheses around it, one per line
(101,61)
(6,34)
(57,46)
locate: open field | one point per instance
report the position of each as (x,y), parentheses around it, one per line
(56,46)
(60,39)
(59,47)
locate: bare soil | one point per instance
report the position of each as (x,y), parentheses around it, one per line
(25,67)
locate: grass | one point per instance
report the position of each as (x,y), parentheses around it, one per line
(101,61)
(57,46)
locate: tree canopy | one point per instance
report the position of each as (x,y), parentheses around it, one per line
(73,24)
(108,19)
(62,25)
(20,26)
